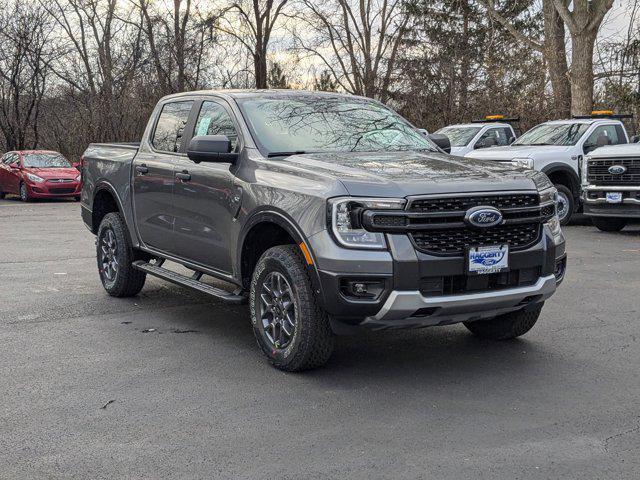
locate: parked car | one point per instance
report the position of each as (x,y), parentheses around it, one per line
(330,213)
(38,174)
(557,147)
(490,132)
(611,186)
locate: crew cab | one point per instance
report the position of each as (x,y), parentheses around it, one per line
(35,174)
(557,148)
(328,213)
(492,131)
(611,186)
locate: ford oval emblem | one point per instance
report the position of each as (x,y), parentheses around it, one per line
(617,169)
(483,217)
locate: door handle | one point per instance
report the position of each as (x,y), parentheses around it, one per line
(142,169)
(185,176)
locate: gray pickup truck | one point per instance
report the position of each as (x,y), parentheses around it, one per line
(329,213)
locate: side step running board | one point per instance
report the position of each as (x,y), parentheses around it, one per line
(191,282)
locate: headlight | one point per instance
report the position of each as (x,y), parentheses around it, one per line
(583,169)
(523,162)
(549,195)
(345,223)
(78,178)
(34,178)
(556,231)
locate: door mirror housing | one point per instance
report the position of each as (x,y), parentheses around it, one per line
(511,140)
(211,148)
(441,141)
(15,165)
(635,139)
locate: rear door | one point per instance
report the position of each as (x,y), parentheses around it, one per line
(153,178)
(4,171)
(203,196)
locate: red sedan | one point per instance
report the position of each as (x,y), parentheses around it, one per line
(38,174)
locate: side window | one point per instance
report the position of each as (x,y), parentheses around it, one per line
(10,158)
(493,137)
(170,127)
(601,136)
(215,120)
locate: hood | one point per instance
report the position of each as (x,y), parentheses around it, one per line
(517,151)
(399,174)
(45,173)
(623,149)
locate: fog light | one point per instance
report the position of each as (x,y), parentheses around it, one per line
(560,268)
(361,288)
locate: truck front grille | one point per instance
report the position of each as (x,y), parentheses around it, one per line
(457,284)
(450,204)
(453,241)
(598,171)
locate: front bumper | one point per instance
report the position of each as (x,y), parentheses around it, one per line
(402,272)
(48,189)
(596,205)
(406,309)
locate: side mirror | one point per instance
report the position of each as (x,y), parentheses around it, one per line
(635,139)
(15,166)
(441,141)
(77,166)
(211,148)
(511,140)
(424,131)
(589,147)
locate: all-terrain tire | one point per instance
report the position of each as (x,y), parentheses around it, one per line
(126,281)
(507,326)
(566,196)
(609,224)
(311,342)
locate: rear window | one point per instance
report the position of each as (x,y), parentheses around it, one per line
(167,136)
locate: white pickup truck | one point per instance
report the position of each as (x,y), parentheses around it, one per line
(557,148)
(467,137)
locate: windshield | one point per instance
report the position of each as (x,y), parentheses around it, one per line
(314,123)
(553,134)
(45,160)
(459,136)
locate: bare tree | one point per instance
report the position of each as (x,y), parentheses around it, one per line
(24,70)
(551,46)
(583,22)
(253,26)
(357,41)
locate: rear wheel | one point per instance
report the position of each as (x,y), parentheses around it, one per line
(609,224)
(115,256)
(1,194)
(24,193)
(507,326)
(566,204)
(77,198)
(289,325)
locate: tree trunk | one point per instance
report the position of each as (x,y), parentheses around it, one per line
(556,57)
(260,66)
(582,72)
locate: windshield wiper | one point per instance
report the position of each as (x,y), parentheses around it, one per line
(285,154)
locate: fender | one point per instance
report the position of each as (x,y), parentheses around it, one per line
(566,169)
(105,185)
(282,219)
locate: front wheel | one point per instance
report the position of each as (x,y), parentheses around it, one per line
(24,193)
(609,224)
(289,325)
(115,256)
(507,326)
(566,204)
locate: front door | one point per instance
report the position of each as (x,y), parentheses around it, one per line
(203,195)
(153,179)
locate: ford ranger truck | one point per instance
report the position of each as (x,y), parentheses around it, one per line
(328,213)
(557,148)
(611,186)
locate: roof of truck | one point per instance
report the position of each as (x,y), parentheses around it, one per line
(587,121)
(255,92)
(479,124)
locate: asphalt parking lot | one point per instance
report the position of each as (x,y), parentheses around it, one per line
(87,393)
